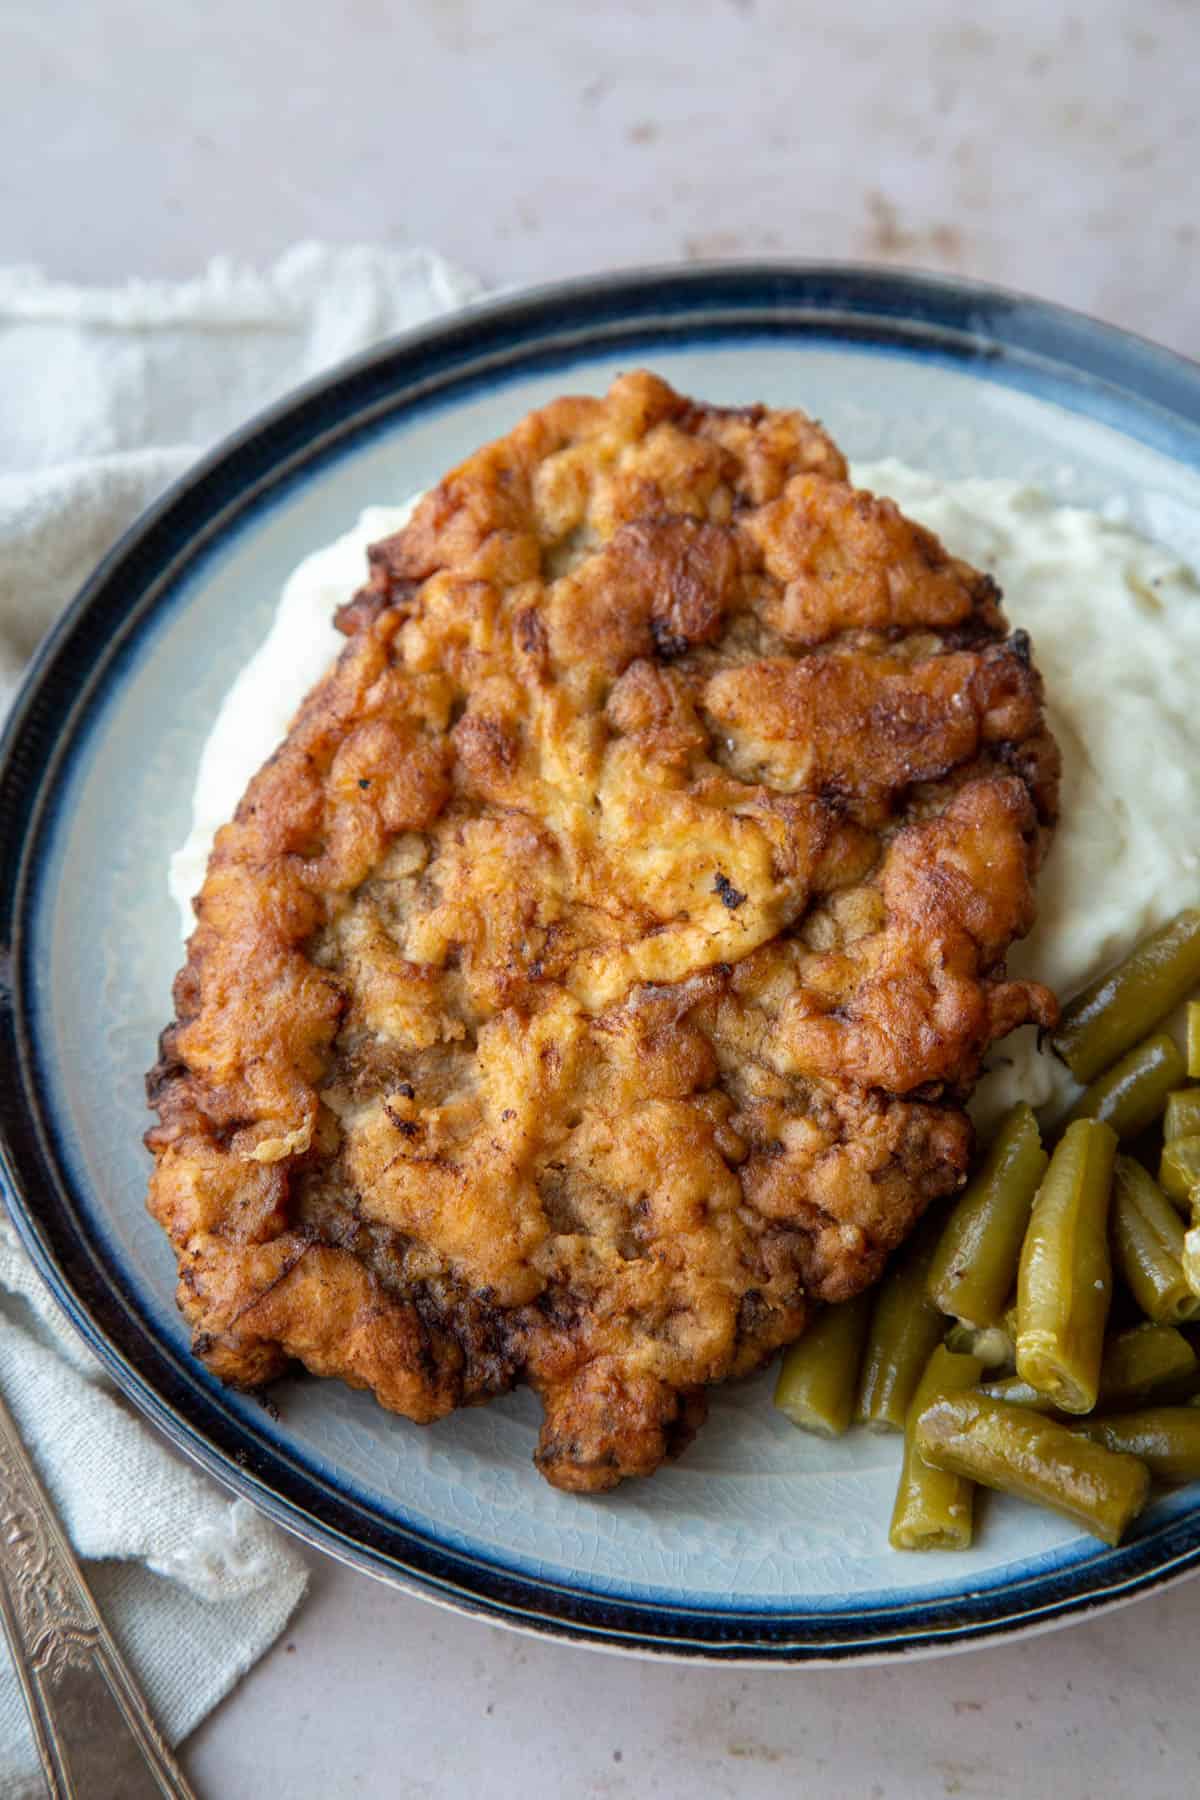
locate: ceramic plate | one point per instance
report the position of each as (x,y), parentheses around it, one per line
(761,1543)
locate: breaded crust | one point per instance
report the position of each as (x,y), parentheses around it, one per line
(599,969)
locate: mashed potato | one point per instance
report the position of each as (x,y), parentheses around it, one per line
(1115,623)
(257,710)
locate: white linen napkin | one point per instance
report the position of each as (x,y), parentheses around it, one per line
(107,395)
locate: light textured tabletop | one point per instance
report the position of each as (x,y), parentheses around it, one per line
(1046,146)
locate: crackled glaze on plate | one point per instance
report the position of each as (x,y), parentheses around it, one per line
(762,1541)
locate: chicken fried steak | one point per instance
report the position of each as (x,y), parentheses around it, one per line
(599,969)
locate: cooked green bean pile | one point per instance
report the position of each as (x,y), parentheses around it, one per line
(1029,1337)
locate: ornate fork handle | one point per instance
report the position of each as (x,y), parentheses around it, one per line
(93,1730)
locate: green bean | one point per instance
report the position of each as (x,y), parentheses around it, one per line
(1142,1361)
(1016,1392)
(1179,1169)
(1165,1438)
(1190,1260)
(1193,1037)
(975,1263)
(1136,1363)
(1064,1285)
(905,1330)
(990,1343)
(1182,1115)
(1020,1452)
(1113,1012)
(1148,1243)
(819,1375)
(1132,1094)
(933,1509)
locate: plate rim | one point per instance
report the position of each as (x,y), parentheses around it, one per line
(925,310)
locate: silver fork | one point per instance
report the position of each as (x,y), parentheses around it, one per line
(94,1733)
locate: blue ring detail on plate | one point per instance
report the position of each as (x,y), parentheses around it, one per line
(1110,377)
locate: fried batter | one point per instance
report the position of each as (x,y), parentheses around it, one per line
(599,969)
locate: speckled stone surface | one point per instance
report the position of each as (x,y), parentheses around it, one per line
(1045,145)
(1048,147)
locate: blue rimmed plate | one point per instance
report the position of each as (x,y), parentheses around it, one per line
(761,1544)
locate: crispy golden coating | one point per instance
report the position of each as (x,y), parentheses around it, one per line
(600,967)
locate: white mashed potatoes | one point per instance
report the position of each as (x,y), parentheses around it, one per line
(1115,624)
(256,712)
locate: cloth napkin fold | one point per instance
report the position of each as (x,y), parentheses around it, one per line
(106,396)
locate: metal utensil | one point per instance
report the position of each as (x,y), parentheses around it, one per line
(94,1732)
